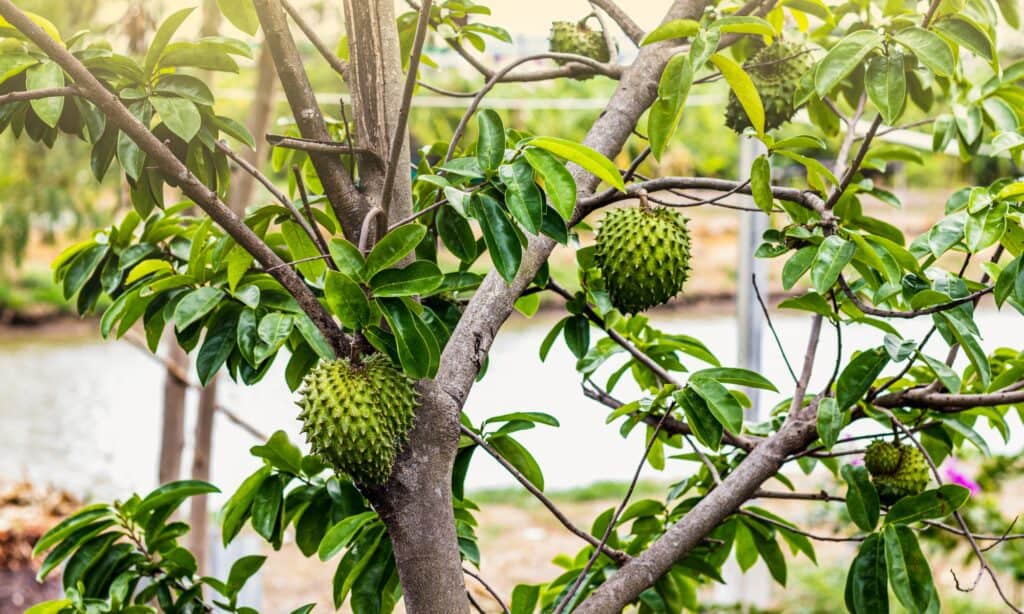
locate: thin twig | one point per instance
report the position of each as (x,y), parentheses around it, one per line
(50,92)
(364,232)
(319,146)
(336,63)
(300,183)
(276,193)
(487,587)
(791,529)
(616,555)
(771,327)
(914,313)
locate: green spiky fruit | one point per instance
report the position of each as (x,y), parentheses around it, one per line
(907,477)
(570,37)
(644,256)
(776,71)
(882,458)
(356,417)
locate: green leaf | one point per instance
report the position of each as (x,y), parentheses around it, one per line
(947,376)
(413,349)
(353,563)
(798,264)
(723,405)
(77,520)
(833,255)
(929,48)
(524,599)
(456,234)
(841,59)
(744,88)
(577,335)
(179,115)
(302,248)
(909,572)
(886,85)
(13,64)
(706,428)
(45,75)
(163,36)
(490,144)
(866,590)
(971,347)
(57,606)
(500,236)
(740,377)
(667,110)
(830,422)
(761,184)
(559,184)
(420,277)
(339,536)
(195,305)
(82,268)
(347,257)
(677,28)
(217,345)
(280,453)
(393,247)
(522,196)
(243,569)
(964,31)
(173,493)
(858,376)
(185,86)
(239,506)
(241,14)
(273,331)
(512,451)
(266,508)
(577,153)
(549,339)
(861,497)
(936,503)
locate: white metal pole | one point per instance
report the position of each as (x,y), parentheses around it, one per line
(749,317)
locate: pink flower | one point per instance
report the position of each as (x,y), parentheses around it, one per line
(955,476)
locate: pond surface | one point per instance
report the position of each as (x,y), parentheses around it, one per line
(84,414)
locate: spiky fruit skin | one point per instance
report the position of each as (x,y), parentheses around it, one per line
(644,256)
(882,458)
(905,477)
(776,71)
(570,37)
(356,417)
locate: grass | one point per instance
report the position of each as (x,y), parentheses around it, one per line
(31,290)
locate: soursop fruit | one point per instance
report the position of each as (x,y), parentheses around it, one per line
(644,256)
(897,470)
(571,37)
(356,417)
(776,71)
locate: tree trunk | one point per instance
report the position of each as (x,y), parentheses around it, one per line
(201,457)
(260,114)
(172,438)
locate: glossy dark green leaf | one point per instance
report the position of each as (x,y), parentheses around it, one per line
(577,335)
(77,520)
(280,453)
(706,428)
(522,196)
(185,86)
(723,405)
(395,245)
(936,503)
(520,458)
(456,234)
(549,339)
(420,277)
(312,525)
(490,144)
(217,345)
(353,563)
(172,493)
(866,582)
(302,248)
(339,536)
(735,375)
(524,599)
(798,264)
(239,506)
(368,589)
(347,300)
(195,305)
(179,115)
(964,31)
(909,572)
(886,84)
(413,349)
(500,236)
(861,497)
(266,508)
(558,182)
(857,377)
(243,569)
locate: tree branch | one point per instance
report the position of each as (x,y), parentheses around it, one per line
(50,92)
(616,555)
(622,18)
(923,398)
(335,62)
(348,203)
(160,155)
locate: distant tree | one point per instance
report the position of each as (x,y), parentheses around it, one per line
(344,275)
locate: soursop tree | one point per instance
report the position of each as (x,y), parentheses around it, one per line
(361,276)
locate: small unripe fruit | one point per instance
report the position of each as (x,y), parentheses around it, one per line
(776,71)
(898,470)
(356,417)
(644,256)
(570,37)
